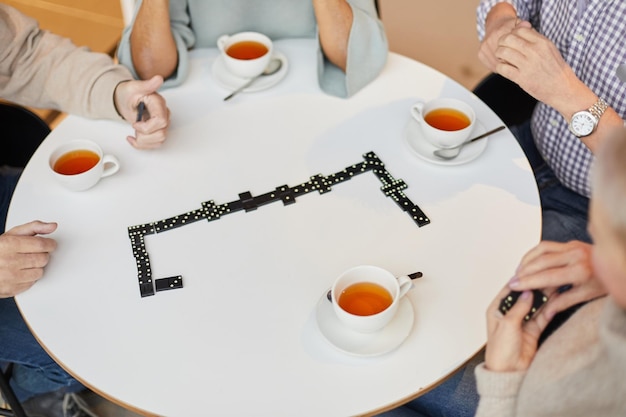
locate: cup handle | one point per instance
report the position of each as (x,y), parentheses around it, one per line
(417,112)
(111,165)
(405,284)
(221,42)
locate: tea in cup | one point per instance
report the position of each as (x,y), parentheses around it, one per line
(245,54)
(79,164)
(366,298)
(446,122)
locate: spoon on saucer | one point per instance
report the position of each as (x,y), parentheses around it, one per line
(451,153)
(274,65)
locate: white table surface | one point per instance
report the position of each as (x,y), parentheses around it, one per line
(241,337)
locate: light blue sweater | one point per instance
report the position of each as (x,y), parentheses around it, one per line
(198,24)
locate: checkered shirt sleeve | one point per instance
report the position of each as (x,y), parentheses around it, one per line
(592,40)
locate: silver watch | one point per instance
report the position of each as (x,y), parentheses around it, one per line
(583,123)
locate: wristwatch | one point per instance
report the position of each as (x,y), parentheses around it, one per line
(583,123)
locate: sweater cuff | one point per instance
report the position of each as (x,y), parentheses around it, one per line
(102,97)
(497,384)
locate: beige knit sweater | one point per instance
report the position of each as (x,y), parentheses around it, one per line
(40,69)
(580,370)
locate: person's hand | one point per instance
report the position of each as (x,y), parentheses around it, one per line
(23,255)
(501,21)
(151,130)
(511,341)
(531,60)
(552,265)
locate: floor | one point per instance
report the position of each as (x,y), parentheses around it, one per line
(105,408)
(442,36)
(98,405)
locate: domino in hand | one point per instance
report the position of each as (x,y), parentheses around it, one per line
(539,299)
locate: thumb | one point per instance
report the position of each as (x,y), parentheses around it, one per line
(150,86)
(33,228)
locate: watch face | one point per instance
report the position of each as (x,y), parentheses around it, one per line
(583,123)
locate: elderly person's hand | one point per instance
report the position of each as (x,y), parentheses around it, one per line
(150,132)
(553,265)
(511,341)
(23,255)
(533,61)
(500,21)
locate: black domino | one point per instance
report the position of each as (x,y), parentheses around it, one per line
(169,283)
(539,299)
(391,187)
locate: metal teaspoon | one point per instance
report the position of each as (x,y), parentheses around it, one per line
(451,153)
(272,68)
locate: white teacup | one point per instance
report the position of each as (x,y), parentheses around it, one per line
(79,164)
(366,298)
(446,122)
(245,54)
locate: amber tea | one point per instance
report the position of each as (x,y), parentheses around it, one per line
(247,50)
(365,299)
(447,119)
(76,162)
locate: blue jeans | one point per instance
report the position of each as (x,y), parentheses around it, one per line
(565,215)
(8,181)
(565,212)
(456,397)
(34,372)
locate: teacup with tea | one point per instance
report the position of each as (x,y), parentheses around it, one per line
(79,164)
(366,298)
(245,54)
(445,122)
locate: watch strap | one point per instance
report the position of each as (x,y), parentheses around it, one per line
(598,108)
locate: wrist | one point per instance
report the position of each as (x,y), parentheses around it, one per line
(500,14)
(116,98)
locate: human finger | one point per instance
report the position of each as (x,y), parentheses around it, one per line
(14,289)
(542,247)
(493,313)
(554,265)
(561,301)
(26,244)
(35,227)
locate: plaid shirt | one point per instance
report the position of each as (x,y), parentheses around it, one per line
(591,36)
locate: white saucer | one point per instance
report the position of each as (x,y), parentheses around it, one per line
(231,82)
(364,344)
(424,150)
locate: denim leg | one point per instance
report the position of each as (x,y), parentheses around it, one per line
(455,397)
(34,371)
(8,181)
(564,212)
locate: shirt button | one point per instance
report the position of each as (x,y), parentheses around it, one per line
(579,37)
(554,122)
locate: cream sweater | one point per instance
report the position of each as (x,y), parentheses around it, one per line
(40,69)
(580,370)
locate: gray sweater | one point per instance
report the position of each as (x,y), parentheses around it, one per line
(578,371)
(198,24)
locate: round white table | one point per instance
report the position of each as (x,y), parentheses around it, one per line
(241,336)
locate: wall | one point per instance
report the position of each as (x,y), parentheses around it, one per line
(94,23)
(439,33)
